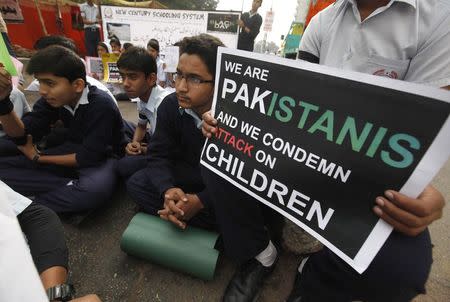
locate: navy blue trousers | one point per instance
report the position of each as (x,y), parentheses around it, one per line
(143,191)
(91,39)
(8,148)
(398,273)
(131,164)
(59,188)
(246,226)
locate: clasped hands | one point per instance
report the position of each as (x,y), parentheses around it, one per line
(179,207)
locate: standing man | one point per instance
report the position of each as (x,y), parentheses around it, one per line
(91,20)
(402,39)
(249,24)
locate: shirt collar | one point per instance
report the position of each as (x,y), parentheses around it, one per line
(82,101)
(250,14)
(151,103)
(197,120)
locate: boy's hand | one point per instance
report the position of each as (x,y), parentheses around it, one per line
(209,125)
(5,83)
(28,149)
(143,148)
(133,148)
(190,207)
(240,23)
(171,211)
(407,215)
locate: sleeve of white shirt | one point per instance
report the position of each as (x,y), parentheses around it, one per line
(431,64)
(312,37)
(17,201)
(19,279)
(82,12)
(21,105)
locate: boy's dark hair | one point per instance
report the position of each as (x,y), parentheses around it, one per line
(205,46)
(115,41)
(47,41)
(59,61)
(104,46)
(137,59)
(127,45)
(153,43)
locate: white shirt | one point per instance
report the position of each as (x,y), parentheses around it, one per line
(14,199)
(90,13)
(406,40)
(34,86)
(19,279)
(161,75)
(197,120)
(148,110)
(82,101)
(20,103)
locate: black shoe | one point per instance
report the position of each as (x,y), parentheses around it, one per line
(247,281)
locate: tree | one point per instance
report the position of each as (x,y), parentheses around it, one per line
(270,47)
(173,4)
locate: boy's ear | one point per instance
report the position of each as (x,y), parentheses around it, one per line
(79,85)
(151,79)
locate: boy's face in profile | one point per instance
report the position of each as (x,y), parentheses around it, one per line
(191,93)
(58,91)
(153,52)
(136,84)
(115,47)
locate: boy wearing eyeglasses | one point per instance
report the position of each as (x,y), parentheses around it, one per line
(171,185)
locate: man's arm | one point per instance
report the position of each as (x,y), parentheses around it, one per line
(11,123)
(139,133)
(253,28)
(135,147)
(30,151)
(68,160)
(410,216)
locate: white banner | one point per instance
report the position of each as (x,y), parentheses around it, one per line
(139,25)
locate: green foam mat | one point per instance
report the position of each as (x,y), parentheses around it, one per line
(190,251)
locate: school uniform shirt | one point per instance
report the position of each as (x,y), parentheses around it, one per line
(90,13)
(406,40)
(34,86)
(95,127)
(246,40)
(21,106)
(148,110)
(178,138)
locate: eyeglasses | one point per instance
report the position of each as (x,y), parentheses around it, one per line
(191,80)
